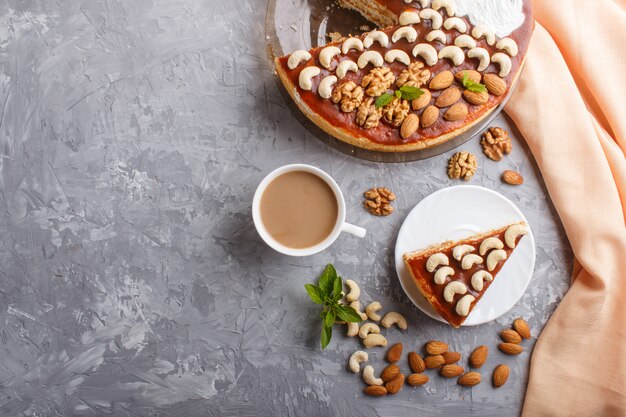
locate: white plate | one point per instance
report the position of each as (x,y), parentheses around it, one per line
(455,213)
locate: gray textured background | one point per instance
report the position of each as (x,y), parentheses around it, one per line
(132,283)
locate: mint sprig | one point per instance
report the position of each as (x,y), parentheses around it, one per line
(406,92)
(472,85)
(383,100)
(328,292)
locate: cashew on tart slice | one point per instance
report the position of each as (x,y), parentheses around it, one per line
(453,285)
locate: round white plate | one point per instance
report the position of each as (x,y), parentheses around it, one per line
(459,212)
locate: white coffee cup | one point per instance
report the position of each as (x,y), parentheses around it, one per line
(340,224)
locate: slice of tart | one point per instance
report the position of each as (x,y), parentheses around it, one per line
(453,276)
(432,71)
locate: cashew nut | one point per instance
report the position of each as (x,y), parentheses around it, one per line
(345,66)
(494,257)
(435,18)
(392,318)
(355,360)
(490,243)
(463,306)
(483,56)
(465,41)
(482,31)
(511,234)
(406,32)
(435,260)
(373,57)
(479,277)
(327,54)
(453,53)
(509,45)
(455,23)
(355,291)
(375,339)
(443,273)
(368,328)
(356,305)
(353,329)
(461,250)
(305,80)
(369,378)
(470,260)
(297,58)
(504,61)
(371,310)
(423,3)
(454,287)
(351,43)
(427,52)
(409,18)
(446,4)
(397,55)
(325,88)
(376,36)
(436,35)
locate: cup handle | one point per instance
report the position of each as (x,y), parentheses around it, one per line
(353,230)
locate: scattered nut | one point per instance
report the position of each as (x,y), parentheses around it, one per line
(390,372)
(356,305)
(395,385)
(416,380)
(375,390)
(496,142)
(367,329)
(355,291)
(355,360)
(470,379)
(378,201)
(451,357)
(369,378)
(512,177)
(433,362)
(353,329)
(392,318)
(416,363)
(510,348)
(371,310)
(479,356)
(462,165)
(511,336)
(435,347)
(522,328)
(394,353)
(500,375)
(374,340)
(451,371)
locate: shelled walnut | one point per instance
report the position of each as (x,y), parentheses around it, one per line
(378,201)
(368,115)
(462,165)
(349,95)
(378,81)
(496,142)
(415,75)
(396,111)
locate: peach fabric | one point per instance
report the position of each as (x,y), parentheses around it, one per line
(570,106)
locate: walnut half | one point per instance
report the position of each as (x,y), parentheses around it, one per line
(496,142)
(378,81)
(349,95)
(368,115)
(396,111)
(378,201)
(462,165)
(415,75)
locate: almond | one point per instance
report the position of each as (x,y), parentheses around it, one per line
(390,373)
(457,112)
(417,379)
(479,356)
(451,357)
(510,336)
(441,81)
(375,390)
(394,353)
(477,99)
(409,126)
(435,347)
(495,85)
(522,328)
(451,371)
(416,363)
(469,379)
(435,361)
(471,74)
(500,375)
(448,97)
(429,116)
(512,177)
(395,385)
(510,348)
(422,101)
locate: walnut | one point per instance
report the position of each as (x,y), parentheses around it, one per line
(378,81)
(368,115)
(378,201)
(414,75)
(495,142)
(396,111)
(349,94)
(462,165)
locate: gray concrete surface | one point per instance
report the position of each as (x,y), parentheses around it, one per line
(132,282)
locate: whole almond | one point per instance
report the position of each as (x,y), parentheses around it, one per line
(416,363)
(458,111)
(441,81)
(409,126)
(451,371)
(429,116)
(477,99)
(471,75)
(417,379)
(495,85)
(469,379)
(512,177)
(433,362)
(375,390)
(479,356)
(448,97)
(435,347)
(390,372)
(510,336)
(395,385)
(522,328)
(500,375)
(510,348)
(422,101)
(451,357)
(394,353)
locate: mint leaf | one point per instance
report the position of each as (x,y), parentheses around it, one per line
(327,279)
(315,293)
(398,94)
(472,86)
(408,92)
(347,313)
(329,320)
(337,287)
(383,100)
(327,334)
